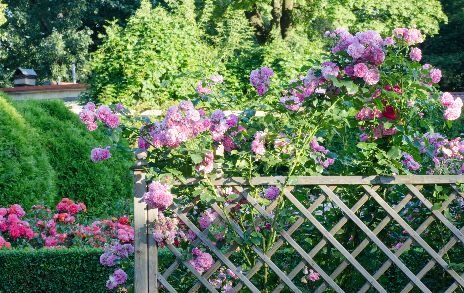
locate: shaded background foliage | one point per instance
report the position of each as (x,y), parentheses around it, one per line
(446,49)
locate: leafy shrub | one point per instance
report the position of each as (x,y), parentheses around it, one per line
(159,56)
(25,171)
(52,270)
(105,188)
(373,109)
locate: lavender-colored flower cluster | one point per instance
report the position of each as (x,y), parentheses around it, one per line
(367,50)
(100,154)
(223,280)
(271,193)
(260,79)
(118,278)
(304,88)
(158,195)
(409,162)
(207,218)
(115,253)
(447,155)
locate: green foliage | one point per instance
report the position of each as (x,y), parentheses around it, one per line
(445,50)
(163,52)
(159,56)
(384,16)
(105,188)
(53,270)
(26,175)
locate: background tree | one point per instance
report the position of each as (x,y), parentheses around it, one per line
(49,36)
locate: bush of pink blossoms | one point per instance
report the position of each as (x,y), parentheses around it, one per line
(371,108)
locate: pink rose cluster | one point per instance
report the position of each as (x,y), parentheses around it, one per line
(260,79)
(433,75)
(415,54)
(207,165)
(411,36)
(101,232)
(409,162)
(367,114)
(321,153)
(100,154)
(201,261)
(182,123)
(4,243)
(167,230)
(302,89)
(12,225)
(56,228)
(310,275)
(69,206)
(367,50)
(258,143)
(204,87)
(158,195)
(90,115)
(453,107)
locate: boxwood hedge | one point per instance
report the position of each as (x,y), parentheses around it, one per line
(26,175)
(52,270)
(106,187)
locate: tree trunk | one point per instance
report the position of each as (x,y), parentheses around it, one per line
(286,21)
(276,13)
(257,23)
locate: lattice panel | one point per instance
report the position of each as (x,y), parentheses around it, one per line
(320,216)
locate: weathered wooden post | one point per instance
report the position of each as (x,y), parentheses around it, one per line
(146,250)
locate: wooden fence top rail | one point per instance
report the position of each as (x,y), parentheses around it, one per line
(333,180)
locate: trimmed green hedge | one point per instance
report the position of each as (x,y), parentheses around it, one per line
(26,175)
(105,187)
(53,270)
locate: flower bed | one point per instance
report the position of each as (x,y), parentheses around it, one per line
(62,228)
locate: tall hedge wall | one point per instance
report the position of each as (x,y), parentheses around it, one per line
(26,175)
(52,270)
(106,187)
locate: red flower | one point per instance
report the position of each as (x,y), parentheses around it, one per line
(124,220)
(390,113)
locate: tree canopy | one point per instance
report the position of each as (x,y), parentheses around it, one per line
(50,35)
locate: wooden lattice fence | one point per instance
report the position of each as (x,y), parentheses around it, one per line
(310,198)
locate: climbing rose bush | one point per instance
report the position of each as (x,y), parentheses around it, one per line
(370,108)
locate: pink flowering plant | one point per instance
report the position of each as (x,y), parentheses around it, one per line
(371,108)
